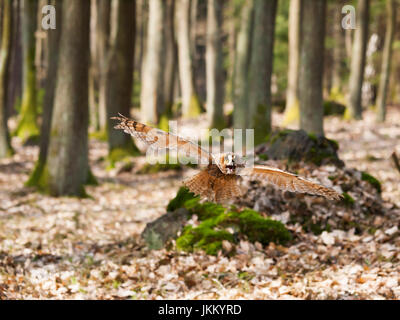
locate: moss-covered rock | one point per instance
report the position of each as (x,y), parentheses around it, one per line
(158,232)
(298,145)
(217,223)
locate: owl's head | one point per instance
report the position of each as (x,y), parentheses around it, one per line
(229,162)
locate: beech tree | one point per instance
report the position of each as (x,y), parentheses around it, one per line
(119,77)
(5,59)
(190,101)
(28,128)
(214,65)
(311,66)
(152,90)
(292,91)
(386,59)
(261,68)
(354,110)
(67,168)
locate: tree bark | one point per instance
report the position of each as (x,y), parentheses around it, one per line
(214,65)
(67,168)
(152,97)
(28,128)
(386,60)
(170,55)
(102,40)
(339,50)
(190,101)
(311,66)
(358,61)
(5,58)
(93,70)
(292,93)
(119,77)
(260,72)
(242,62)
(48,100)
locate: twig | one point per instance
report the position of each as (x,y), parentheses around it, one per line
(396,161)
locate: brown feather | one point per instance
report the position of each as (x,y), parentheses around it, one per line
(291,182)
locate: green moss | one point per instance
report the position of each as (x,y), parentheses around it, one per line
(215,219)
(180,199)
(39,177)
(347,199)
(312,136)
(99,135)
(372,180)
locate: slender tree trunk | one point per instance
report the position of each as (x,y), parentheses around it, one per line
(358,61)
(311,66)
(48,100)
(152,97)
(93,70)
(386,59)
(339,50)
(214,64)
(170,55)
(67,168)
(292,93)
(260,72)
(5,58)
(102,40)
(190,101)
(119,77)
(27,127)
(232,35)
(242,62)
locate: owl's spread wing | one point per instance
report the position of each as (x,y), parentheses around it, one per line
(160,139)
(288,181)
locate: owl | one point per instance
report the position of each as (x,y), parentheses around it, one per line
(219,181)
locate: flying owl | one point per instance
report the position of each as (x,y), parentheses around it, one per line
(219,180)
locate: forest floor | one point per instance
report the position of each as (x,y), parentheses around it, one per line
(69,248)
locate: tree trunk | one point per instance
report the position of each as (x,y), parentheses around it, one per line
(5,58)
(242,62)
(170,55)
(214,64)
(93,70)
(102,40)
(311,66)
(67,168)
(292,93)
(48,100)
(15,77)
(339,51)
(358,61)
(260,72)
(152,97)
(190,101)
(119,77)
(386,60)
(28,128)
